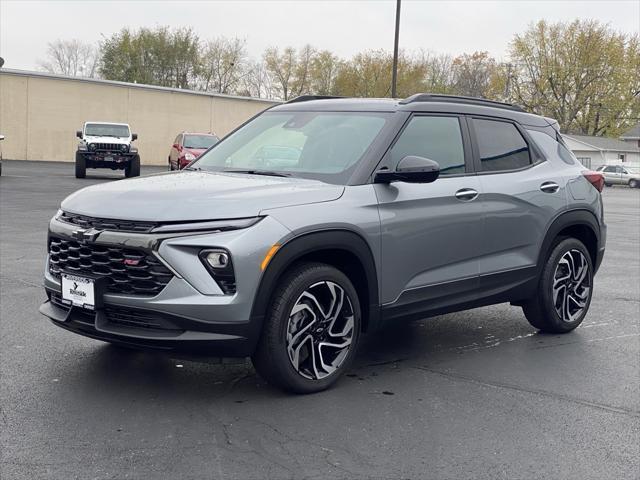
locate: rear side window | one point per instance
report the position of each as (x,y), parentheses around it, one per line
(435,138)
(501,146)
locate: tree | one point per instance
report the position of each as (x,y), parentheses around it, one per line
(223,65)
(71,57)
(324,70)
(368,74)
(282,67)
(161,56)
(583,73)
(472,74)
(257,81)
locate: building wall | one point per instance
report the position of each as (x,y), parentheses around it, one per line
(39,114)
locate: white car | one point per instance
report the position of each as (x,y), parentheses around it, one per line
(107,145)
(620,175)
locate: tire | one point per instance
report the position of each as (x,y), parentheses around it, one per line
(170,165)
(569,257)
(607,184)
(633,183)
(81,166)
(280,365)
(133,168)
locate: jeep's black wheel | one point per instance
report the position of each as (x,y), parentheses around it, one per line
(564,290)
(81,166)
(133,167)
(311,329)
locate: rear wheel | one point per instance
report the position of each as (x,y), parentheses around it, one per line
(633,183)
(607,184)
(133,167)
(81,166)
(311,329)
(564,290)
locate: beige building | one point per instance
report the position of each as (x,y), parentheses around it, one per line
(40,113)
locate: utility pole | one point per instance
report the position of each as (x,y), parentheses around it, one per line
(394,75)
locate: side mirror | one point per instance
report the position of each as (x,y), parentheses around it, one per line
(134,136)
(79,134)
(1,137)
(411,169)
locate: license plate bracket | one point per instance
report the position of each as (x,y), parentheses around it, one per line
(82,290)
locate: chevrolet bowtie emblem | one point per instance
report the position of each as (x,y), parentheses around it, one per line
(88,235)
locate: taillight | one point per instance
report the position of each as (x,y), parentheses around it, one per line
(595,178)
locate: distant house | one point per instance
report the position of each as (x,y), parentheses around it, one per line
(595,151)
(632,136)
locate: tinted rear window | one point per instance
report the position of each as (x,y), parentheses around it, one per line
(501,146)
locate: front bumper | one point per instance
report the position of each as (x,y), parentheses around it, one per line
(113,160)
(191,313)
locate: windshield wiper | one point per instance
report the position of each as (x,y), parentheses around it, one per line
(258,172)
(195,169)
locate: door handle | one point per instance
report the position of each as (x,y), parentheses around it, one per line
(549,187)
(466,194)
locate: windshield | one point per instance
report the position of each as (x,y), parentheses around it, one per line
(324,146)
(106,130)
(199,141)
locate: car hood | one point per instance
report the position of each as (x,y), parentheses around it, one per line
(100,139)
(196,195)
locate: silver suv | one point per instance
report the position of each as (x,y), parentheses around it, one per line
(363,214)
(619,175)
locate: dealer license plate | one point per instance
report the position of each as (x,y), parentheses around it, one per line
(108,159)
(79,291)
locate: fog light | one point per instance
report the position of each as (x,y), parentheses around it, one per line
(217,259)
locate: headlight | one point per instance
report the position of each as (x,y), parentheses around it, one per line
(189,157)
(92,146)
(124,148)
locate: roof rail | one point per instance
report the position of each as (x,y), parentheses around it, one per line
(437,97)
(306,98)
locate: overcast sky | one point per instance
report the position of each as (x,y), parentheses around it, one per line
(345,27)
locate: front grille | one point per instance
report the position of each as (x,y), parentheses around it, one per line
(107,224)
(142,274)
(109,147)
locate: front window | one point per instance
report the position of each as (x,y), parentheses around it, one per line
(199,141)
(104,130)
(324,146)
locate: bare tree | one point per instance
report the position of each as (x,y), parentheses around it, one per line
(71,57)
(282,67)
(224,64)
(257,81)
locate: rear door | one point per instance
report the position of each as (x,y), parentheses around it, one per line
(429,230)
(522,193)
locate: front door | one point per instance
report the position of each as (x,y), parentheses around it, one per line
(430,230)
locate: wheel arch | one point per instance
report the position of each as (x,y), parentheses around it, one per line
(344,249)
(581,224)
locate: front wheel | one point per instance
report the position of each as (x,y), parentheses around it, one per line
(311,329)
(564,290)
(133,167)
(81,166)
(633,183)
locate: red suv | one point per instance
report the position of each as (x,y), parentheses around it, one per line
(189,146)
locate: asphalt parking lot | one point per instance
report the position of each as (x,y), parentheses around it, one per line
(477,394)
